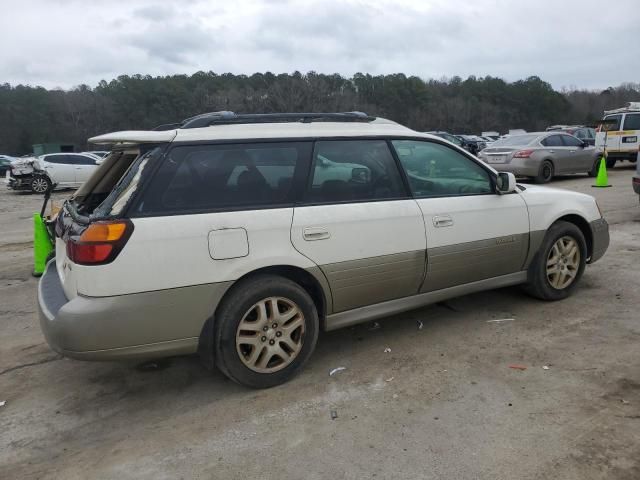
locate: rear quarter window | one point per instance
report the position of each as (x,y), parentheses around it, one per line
(197,178)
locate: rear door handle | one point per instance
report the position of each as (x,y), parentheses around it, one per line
(315,233)
(442,221)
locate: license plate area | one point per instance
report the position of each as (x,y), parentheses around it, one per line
(496,158)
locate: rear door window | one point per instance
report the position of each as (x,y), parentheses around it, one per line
(81,160)
(59,159)
(632,121)
(214,177)
(353,171)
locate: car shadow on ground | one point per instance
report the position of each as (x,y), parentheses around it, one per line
(185,379)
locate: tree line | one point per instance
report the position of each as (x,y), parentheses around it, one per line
(30,115)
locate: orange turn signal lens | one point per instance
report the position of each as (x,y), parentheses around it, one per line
(104,232)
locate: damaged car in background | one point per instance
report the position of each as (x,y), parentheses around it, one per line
(40,174)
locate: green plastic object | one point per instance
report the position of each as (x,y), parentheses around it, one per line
(602,180)
(42,245)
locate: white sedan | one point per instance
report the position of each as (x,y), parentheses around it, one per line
(39,174)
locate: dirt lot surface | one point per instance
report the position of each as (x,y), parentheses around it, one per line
(442,404)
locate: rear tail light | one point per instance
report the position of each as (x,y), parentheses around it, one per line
(523,154)
(100,243)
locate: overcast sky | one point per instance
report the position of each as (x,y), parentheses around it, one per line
(62,43)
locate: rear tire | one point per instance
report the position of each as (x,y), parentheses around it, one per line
(40,184)
(265,330)
(559,264)
(545,174)
(594,169)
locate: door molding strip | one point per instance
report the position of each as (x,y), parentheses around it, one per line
(391,307)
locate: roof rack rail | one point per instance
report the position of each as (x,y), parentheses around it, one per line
(230,118)
(166,126)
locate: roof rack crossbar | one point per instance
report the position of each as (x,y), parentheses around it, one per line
(230,118)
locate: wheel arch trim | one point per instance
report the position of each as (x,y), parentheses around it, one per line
(312,280)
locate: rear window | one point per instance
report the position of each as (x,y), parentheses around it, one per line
(113,182)
(515,140)
(212,177)
(632,121)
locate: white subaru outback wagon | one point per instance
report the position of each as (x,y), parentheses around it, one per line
(241,236)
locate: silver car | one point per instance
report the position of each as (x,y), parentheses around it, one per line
(541,155)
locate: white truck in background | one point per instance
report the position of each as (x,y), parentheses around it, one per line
(622,132)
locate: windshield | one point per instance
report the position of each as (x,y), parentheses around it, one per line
(515,140)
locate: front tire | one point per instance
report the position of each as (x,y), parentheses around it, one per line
(559,264)
(611,163)
(545,174)
(264,331)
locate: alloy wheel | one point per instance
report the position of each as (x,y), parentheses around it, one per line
(39,185)
(270,335)
(563,262)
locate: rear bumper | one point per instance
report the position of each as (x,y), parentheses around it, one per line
(524,167)
(600,237)
(630,155)
(22,182)
(136,326)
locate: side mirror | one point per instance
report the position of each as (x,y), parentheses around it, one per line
(505,183)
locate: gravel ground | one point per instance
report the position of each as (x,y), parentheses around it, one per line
(442,404)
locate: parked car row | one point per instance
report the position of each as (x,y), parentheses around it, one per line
(471,143)
(586,134)
(542,155)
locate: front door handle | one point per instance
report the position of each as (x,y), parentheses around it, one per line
(315,233)
(442,221)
